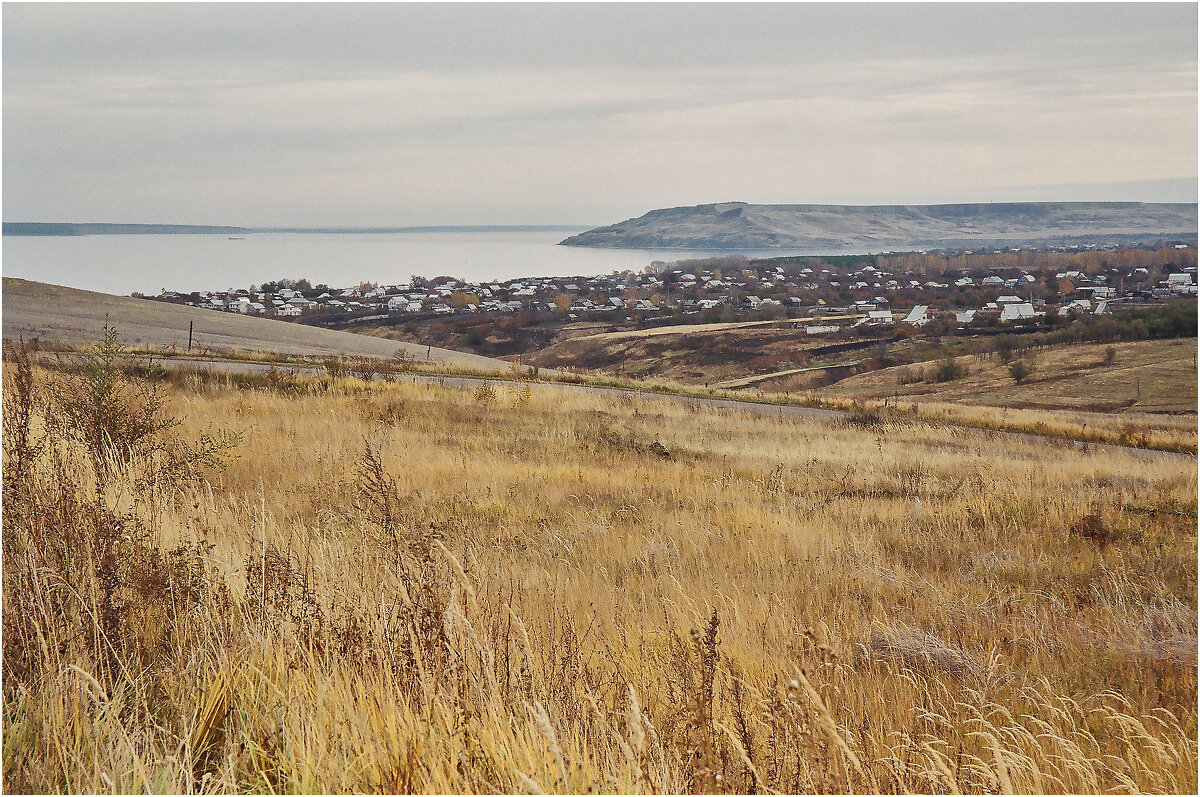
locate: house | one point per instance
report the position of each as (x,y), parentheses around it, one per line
(965,317)
(1003,300)
(1018,312)
(1178,282)
(1077,306)
(876,318)
(919,316)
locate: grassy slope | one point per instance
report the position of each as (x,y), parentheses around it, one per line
(1065,377)
(57,314)
(928,581)
(689,355)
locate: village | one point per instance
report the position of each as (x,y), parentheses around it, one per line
(831,294)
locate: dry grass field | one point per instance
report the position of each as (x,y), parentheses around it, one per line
(1149,376)
(67,316)
(403,587)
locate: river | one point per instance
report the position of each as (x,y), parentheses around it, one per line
(121,264)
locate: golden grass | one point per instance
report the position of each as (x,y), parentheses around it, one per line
(1148,376)
(1133,430)
(449,590)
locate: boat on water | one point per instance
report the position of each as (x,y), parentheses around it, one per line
(237,238)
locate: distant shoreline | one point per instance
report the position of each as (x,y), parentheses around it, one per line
(70,229)
(733,226)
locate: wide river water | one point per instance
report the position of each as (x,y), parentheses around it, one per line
(121,264)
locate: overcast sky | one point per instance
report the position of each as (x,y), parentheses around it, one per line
(448,114)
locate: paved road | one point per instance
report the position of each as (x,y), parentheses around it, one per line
(755,408)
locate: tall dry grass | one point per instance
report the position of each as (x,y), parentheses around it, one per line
(402,587)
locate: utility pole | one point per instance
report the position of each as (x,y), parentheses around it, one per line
(190,335)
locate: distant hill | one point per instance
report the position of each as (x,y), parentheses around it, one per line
(63,228)
(872,228)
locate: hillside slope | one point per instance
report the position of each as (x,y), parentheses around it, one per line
(737,225)
(1144,376)
(57,314)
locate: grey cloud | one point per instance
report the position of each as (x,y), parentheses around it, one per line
(363,113)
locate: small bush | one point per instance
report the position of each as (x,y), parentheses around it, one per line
(334,367)
(950,369)
(1092,527)
(862,417)
(485,394)
(1020,370)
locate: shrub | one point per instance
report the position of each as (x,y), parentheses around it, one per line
(334,367)
(1020,370)
(1110,355)
(863,417)
(114,416)
(950,369)
(485,394)
(103,430)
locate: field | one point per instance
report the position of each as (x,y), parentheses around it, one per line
(1150,376)
(704,353)
(66,316)
(405,587)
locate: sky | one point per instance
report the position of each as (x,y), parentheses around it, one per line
(417,114)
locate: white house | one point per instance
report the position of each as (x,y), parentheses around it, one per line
(875,318)
(919,316)
(1017,312)
(1077,306)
